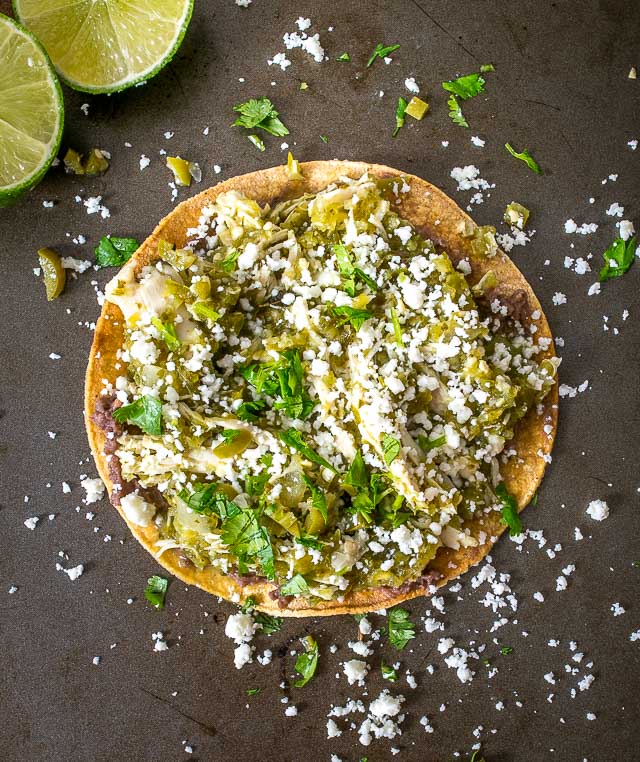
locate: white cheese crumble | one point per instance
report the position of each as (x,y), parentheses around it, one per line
(598,510)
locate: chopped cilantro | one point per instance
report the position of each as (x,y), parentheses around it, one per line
(258,142)
(390,448)
(400,111)
(168,333)
(487,67)
(524,156)
(249,541)
(401,628)
(388,672)
(254,484)
(229,262)
(506,650)
(381,51)
(283,380)
(114,252)
(476,758)
(250,411)
(268,624)
(260,113)
(145,413)
(534,500)
(352,315)
(294,439)
(349,272)
(324,138)
(369,489)
(465,87)
(156,590)
(248,605)
(344,57)
(318,498)
(297,585)
(509,510)
(230,434)
(455,112)
(307,662)
(427,444)
(253,691)
(359,617)
(618,258)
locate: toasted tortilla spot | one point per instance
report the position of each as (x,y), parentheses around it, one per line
(435,216)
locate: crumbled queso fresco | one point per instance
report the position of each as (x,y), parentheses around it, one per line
(315,392)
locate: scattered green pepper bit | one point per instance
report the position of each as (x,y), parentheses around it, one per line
(517,215)
(324,138)
(253,691)
(524,156)
(417,108)
(181,170)
(506,650)
(96,162)
(53,273)
(483,239)
(293,168)
(304,86)
(156,591)
(345,57)
(257,142)
(618,258)
(388,672)
(400,112)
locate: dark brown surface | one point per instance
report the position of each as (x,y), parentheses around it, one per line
(561,89)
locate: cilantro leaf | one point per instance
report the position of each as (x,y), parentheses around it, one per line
(369,489)
(400,111)
(248,605)
(401,628)
(344,57)
(253,691)
(156,590)
(509,510)
(145,413)
(524,156)
(349,272)
(324,139)
(388,672)
(207,500)
(318,498)
(455,112)
(381,51)
(307,662)
(228,264)
(357,475)
(114,252)
(248,540)
(294,439)
(254,484)
(390,448)
(168,334)
(268,624)
(252,112)
(506,650)
(250,411)
(427,444)
(351,315)
(465,87)
(257,141)
(260,113)
(282,380)
(297,585)
(618,258)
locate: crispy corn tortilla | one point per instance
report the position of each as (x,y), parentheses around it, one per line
(435,216)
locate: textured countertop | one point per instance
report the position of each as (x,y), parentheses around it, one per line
(560,89)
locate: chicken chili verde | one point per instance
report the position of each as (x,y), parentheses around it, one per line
(312,395)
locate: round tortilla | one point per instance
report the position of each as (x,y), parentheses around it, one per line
(435,216)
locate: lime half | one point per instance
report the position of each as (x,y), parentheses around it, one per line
(31,111)
(102,46)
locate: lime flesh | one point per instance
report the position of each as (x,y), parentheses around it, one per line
(31,111)
(102,46)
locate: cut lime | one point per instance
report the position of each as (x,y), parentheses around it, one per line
(31,111)
(102,46)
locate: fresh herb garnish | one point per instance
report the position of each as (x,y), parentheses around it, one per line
(381,51)
(294,439)
(318,498)
(114,252)
(506,650)
(370,489)
(297,585)
(388,672)
(204,310)
(283,380)
(476,758)
(427,444)
(465,87)
(390,448)
(156,590)
(324,139)
(487,67)
(307,662)
(509,510)
(248,605)
(397,328)
(168,333)
(344,57)
(250,411)
(401,628)
(260,113)
(254,484)
(230,434)
(257,141)
(309,541)
(352,315)
(400,112)
(145,413)
(455,112)
(618,258)
(268,624)
(524,156)
(349,272)
(253,691)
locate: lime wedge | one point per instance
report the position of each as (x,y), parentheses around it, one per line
(31,111)
(102,46)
